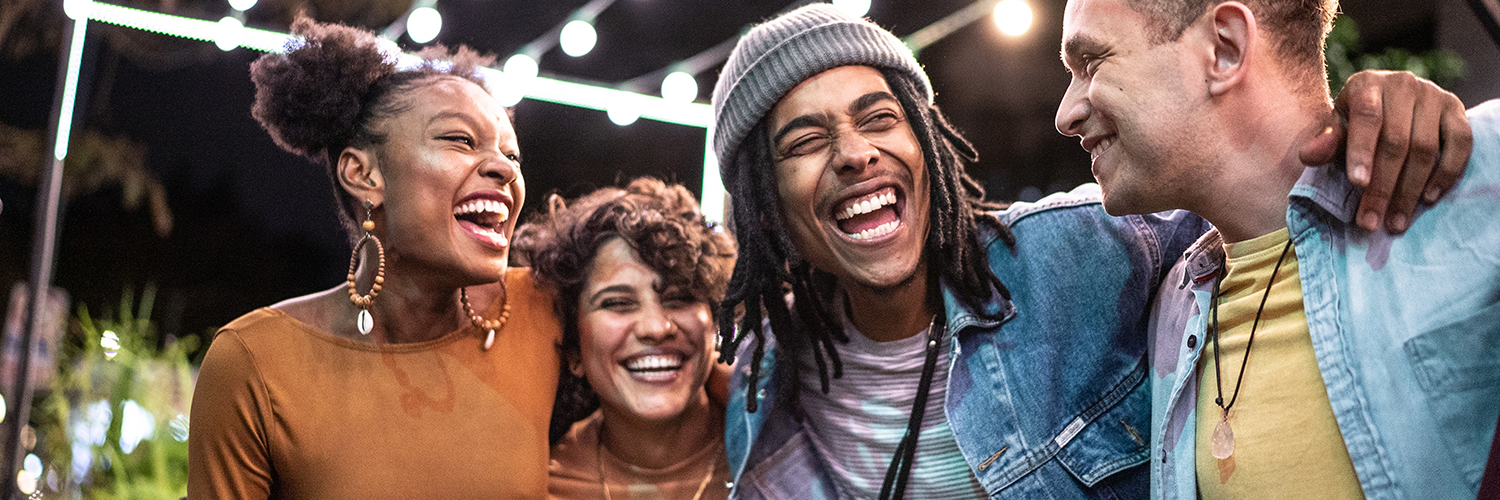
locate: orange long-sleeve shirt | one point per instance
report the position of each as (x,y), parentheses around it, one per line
(282,410)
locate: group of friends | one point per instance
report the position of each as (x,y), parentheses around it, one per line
(869,326)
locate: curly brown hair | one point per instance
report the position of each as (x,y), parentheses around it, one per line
(335,86)
(664,225)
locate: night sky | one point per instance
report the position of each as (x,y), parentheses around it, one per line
(254,225)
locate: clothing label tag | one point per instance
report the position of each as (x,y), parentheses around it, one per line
(1068,432)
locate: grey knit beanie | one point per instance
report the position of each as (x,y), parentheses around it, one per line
(779,54)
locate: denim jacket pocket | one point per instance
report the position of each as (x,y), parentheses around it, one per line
(1458,367)
(1111,436)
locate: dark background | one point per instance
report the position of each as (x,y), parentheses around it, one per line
(253,225)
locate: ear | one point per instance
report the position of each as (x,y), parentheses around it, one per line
(1234,38)
(359,175)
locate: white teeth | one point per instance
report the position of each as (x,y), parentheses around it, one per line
(876,231)
(482,206)
(867,205)
(655,362)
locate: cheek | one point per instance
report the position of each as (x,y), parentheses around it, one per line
(597,339)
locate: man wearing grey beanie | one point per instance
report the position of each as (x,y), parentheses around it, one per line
(933,345)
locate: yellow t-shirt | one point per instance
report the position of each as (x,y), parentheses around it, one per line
(1286,439)
(282,410)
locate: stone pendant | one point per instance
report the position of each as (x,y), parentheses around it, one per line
(489,339)
(365,322)
(1223,440)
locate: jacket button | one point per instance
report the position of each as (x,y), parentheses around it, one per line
(1192,341)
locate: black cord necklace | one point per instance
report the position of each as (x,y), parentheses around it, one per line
(898,474)
(1223,437)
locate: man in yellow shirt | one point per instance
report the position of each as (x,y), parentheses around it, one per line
(1294,354)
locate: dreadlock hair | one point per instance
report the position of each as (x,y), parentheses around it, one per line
(770,266)
(336,86)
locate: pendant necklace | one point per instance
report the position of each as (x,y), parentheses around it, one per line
(1223,437)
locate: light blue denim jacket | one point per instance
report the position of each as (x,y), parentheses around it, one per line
(1046,392)
(1406,331)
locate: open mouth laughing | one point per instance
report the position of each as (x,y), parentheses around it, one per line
(655,367)
(869,217)
(484,215)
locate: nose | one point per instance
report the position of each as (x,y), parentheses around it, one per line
(852,152)
(1073,110)
(499,167)
(654,325)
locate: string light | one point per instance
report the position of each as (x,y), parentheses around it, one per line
(241,5)
(423,24)
(625,109)
(856,8)
(577,38)
(1013,17)
(229,34)
(679,86)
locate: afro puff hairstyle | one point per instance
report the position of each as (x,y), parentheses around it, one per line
(335,86)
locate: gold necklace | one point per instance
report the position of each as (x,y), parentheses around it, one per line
(713,465)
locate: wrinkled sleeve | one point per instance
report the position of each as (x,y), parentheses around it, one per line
(227,447)
(1175,231)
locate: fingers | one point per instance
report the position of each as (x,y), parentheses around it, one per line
(1363,106)
(1324,147)
(1421,158)
(1458,141)
(1398,101)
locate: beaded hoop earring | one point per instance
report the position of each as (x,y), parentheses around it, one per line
(364,321)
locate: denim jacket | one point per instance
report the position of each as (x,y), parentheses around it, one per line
(1406,331)
(1047,395)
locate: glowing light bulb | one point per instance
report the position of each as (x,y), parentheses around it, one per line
(679,87)
(856,8)
(228,36)
(521,66)
(136,424)
(25,482)
(423,24)
(625,110)
(241,5)
(577,38)
(33,465)
(1013,17)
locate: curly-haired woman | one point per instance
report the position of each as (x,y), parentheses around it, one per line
(430,374)
(637,273)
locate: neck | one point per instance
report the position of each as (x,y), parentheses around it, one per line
(416,306)
(894,313)
(1244,193)
(655,444)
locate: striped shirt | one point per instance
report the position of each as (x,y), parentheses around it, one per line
(856,427)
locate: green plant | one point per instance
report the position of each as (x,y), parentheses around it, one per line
(1345,57)
(113,424)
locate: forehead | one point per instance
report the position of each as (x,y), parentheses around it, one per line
(452,96)
(831,91)
(1095,21)
(616,262)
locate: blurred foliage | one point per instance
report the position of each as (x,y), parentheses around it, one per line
(113,424)
(1346,57)
(94,162)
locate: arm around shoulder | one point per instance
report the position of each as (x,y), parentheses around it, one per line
(227,447)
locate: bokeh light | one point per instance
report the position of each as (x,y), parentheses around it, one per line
(577,38)
(625,110)
(241,5)
(679,87)
(1013,17)
(424,24)
(856,8)
(110,341)
(228,36)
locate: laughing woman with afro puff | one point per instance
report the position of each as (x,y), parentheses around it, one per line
(430,373)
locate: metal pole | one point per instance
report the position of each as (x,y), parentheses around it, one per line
(43,247)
